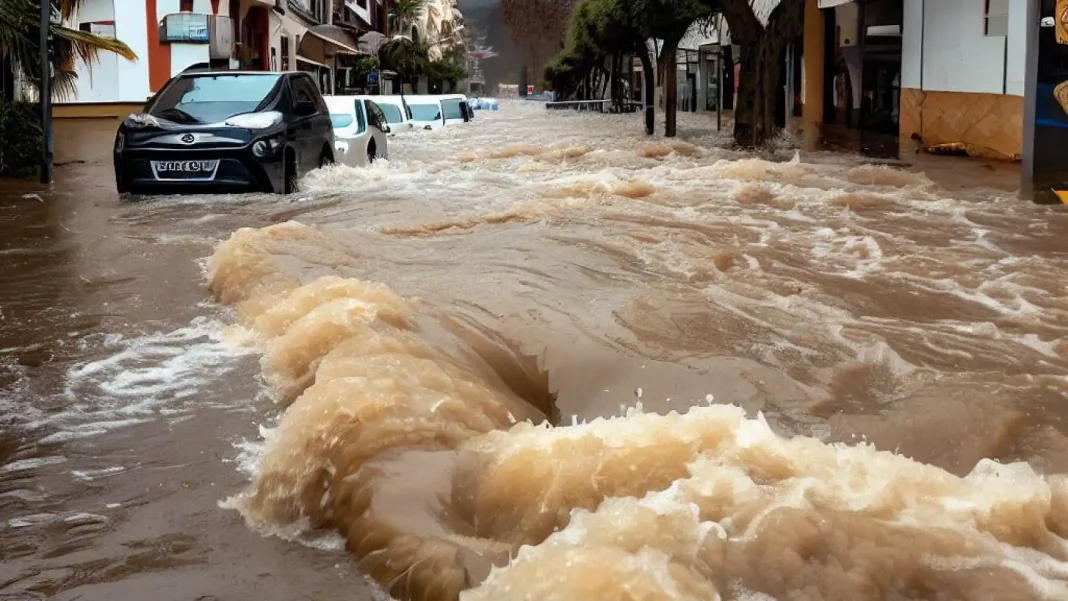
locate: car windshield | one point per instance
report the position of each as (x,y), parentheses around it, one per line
(452,109)
(340,121)
(426,112)
(393,114)
(212,98)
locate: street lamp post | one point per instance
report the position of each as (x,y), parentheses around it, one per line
(45,93)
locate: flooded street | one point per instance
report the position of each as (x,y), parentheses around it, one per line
(267,397)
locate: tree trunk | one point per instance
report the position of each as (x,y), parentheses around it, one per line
(671,86)
(649,75)
(761,69)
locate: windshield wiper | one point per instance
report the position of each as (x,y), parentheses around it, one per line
(180,116)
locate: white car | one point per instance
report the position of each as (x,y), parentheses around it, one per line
(426,112)
(398,113)
(360,130)
(455,109)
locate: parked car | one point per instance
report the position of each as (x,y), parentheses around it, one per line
(398,113)
(455,109)
(225,131)
(426,112)
(484,104)
(360,129)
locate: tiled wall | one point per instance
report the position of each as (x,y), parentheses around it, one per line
(989,125)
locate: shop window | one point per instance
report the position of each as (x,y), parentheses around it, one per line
(996,19)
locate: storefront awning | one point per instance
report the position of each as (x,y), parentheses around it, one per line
(304,59)
(833,3)
(333,35)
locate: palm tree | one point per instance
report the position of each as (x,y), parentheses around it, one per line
(404,13)
(19,26)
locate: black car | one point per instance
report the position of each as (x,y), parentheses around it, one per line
(225,131)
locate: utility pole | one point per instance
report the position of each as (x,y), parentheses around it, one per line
(45,93)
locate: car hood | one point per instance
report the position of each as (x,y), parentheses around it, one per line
(168,134)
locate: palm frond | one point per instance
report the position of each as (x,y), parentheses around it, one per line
(19,30)
(87,45)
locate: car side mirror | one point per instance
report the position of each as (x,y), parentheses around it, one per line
(385,128)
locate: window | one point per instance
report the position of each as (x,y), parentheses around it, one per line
(392,113)
(319,10)
(212,98)
(426,112)
(186,6)
(996,19)
(304,90)
(375,115)
(452,109)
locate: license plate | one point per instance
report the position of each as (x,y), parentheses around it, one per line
(202,170)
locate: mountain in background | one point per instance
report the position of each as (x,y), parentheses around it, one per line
(485,16)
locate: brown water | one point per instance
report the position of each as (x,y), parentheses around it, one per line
(769,379)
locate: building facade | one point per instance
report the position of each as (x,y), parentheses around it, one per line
(170,36)
(929,72)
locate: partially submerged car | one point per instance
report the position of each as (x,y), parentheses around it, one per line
(360,129)
(455,109)
(225,131)
(426,112)
(398,113)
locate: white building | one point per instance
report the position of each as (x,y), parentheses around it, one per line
(962,73)
(936,71)
(170,36)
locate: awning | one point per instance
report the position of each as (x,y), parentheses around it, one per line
(833,3)
(336,36)
(304,59)
(371,42)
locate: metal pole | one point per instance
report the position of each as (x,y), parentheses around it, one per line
(1027,173)
(45,93)
(719,90)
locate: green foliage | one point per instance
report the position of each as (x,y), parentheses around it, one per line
(20,22)
(405,57)
(445,71)
(20,129)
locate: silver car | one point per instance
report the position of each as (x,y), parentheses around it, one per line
(360,130)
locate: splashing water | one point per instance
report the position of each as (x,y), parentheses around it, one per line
(567,277)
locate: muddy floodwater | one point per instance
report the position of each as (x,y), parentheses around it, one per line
(538,357)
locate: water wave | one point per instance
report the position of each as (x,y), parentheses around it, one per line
(431,448)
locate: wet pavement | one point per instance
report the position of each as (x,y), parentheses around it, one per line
(521,266)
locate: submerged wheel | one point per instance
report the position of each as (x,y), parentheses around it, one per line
(372,152)
(326,158)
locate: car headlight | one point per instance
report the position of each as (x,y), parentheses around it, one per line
(265,148)
(342,147)
(255,120)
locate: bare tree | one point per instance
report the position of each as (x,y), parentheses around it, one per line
(538,27)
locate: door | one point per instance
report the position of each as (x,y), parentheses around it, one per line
(312,127)
(378,126)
